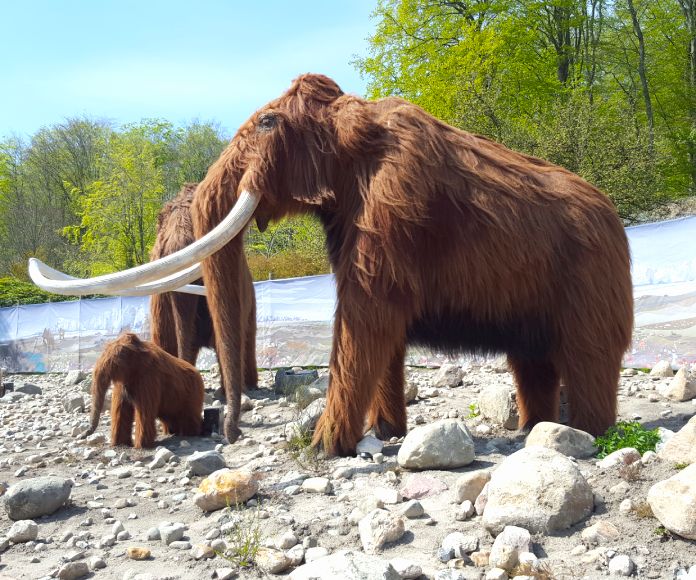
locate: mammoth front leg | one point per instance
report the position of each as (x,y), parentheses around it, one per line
(251,374)
(366,337)
(221,274)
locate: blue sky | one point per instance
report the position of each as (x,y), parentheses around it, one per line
(205,59)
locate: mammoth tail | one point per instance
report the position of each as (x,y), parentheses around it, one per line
(101,380)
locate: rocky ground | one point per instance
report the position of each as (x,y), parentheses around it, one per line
(407,510)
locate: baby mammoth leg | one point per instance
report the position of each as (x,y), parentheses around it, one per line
(121,418)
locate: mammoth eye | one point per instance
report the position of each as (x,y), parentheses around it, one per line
(266,122)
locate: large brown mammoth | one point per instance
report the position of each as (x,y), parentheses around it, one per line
(181,323)
(436,237)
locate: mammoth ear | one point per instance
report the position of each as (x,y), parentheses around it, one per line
(315,89)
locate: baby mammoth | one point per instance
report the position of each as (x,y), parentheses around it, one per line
(148,384)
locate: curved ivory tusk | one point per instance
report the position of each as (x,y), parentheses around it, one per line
(228,228)
(178,282)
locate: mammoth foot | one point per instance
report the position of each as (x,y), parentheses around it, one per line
(232,431)
(334,441)
(385,431)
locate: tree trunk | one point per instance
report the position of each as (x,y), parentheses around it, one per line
(689,10)
(643,77)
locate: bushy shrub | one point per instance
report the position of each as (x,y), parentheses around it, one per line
(14,292)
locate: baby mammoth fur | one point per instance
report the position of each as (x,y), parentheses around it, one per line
(148,384)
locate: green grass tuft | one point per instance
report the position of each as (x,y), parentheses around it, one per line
(627,434)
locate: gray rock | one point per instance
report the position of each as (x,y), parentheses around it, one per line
(406,569)
(566,440)
(681,447)
(36,497)
(74,402)
(470,485)
(369,444)
(663,369)
(457,545)
(13,397)
(287,380)
(205,462)
(29,389)
(96,563)
(420,485)
(73,570)
(448,375)
(316,485)
(378,528)
(171,533)
(272,561)
(307,420)
(621,565)
(673,501)
(74,377)
(681,388)
(600,533)
(498,403)
(346,565)
(623,456)
(410,391)
(162,456)
(508,546)
(538,489)
(412,509)
(445,444)
(23,531)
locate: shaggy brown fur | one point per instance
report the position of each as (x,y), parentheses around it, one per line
(180,322)
(437,237)
(148,384)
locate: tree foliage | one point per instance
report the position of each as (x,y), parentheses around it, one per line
(84,196)
(598,86)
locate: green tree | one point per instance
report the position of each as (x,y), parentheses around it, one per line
(118,212)
(594,85)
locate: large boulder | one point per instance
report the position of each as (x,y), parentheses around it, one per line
(681,447)
(498,403)
(538,489)
(448,375)
(445,444)
(563,439)
(673,501)
(36,497)
(662,370)
(681,388)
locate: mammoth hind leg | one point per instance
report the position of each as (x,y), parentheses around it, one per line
(387,413)
(591,387)
(538,390)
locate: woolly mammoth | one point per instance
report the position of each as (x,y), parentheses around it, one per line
(437,237)
(148,384)
(180,322)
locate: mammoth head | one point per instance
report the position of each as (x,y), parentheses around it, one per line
(284,157)
(286,153)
